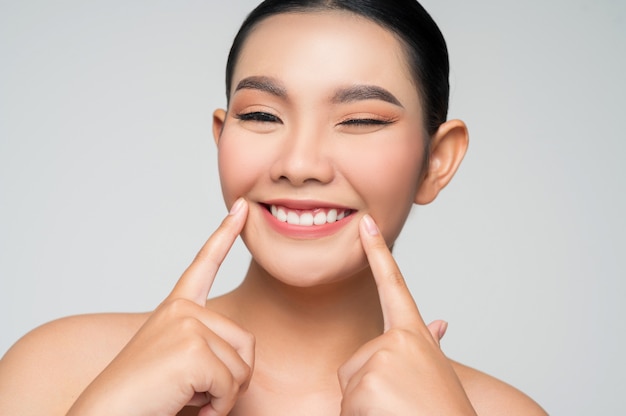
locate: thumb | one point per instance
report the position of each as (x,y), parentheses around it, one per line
(438,329)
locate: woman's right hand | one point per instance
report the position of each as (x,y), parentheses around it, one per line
(184,354)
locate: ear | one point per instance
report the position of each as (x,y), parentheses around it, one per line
(219,117)
(447,149)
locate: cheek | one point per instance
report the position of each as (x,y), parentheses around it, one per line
(240,165)
(387,177)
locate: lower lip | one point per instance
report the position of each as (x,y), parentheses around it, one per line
(305,232)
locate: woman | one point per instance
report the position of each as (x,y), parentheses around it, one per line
(335,126)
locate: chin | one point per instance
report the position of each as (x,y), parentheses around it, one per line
(307,271)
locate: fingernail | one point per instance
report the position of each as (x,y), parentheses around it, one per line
(236,206)
(370,225)
(442,329)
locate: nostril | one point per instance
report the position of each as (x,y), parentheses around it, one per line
(299,164)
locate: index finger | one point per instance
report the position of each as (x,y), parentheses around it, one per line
(196,281)
(398,307)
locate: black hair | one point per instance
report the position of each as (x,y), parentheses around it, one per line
(424,44)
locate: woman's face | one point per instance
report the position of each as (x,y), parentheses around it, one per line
(324,126)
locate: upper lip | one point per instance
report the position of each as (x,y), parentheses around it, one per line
(305,204)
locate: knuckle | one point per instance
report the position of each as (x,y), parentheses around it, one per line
(176,307)
(210,252)
(380,244)
(227,398)
(395,278)
(359,400)
(371,382)
(188,325)
(381,359)
(343,373)
(398,337)
(244,375)
(206,255)
(191,343)
(248,373)
(194,348)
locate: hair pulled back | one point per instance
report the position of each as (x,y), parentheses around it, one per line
(425,47)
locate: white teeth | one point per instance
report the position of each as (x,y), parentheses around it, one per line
(293,218)
(320,218)
(331,216)
(281,215)
(307,219)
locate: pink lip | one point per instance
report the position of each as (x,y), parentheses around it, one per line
(299,231)
(304,204)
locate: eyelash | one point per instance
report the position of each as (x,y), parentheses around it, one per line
(258,116)
(262,117)
(365,122)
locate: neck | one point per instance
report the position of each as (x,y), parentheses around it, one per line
(325,323)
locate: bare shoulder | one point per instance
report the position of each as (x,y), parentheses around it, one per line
(490,396)
(53,364)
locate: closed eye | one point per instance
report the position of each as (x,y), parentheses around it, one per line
(258,116)
(365,122)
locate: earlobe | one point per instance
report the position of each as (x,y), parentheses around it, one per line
(448,148)
(219,117)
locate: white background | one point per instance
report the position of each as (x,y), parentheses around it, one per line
(108,181)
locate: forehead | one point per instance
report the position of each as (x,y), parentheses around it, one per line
(324,49)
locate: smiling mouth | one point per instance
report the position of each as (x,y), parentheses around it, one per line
(308,217)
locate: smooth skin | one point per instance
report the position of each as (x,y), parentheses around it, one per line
(341,336)
(187,354)
(402,371)
(204,367)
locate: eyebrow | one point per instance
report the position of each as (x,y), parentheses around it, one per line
(265,84)
(364,92)
(343,95)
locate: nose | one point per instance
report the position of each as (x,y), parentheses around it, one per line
(303,158)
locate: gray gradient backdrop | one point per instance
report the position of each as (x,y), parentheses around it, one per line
(108,180)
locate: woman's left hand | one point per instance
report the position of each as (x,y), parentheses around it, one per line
(403,371)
